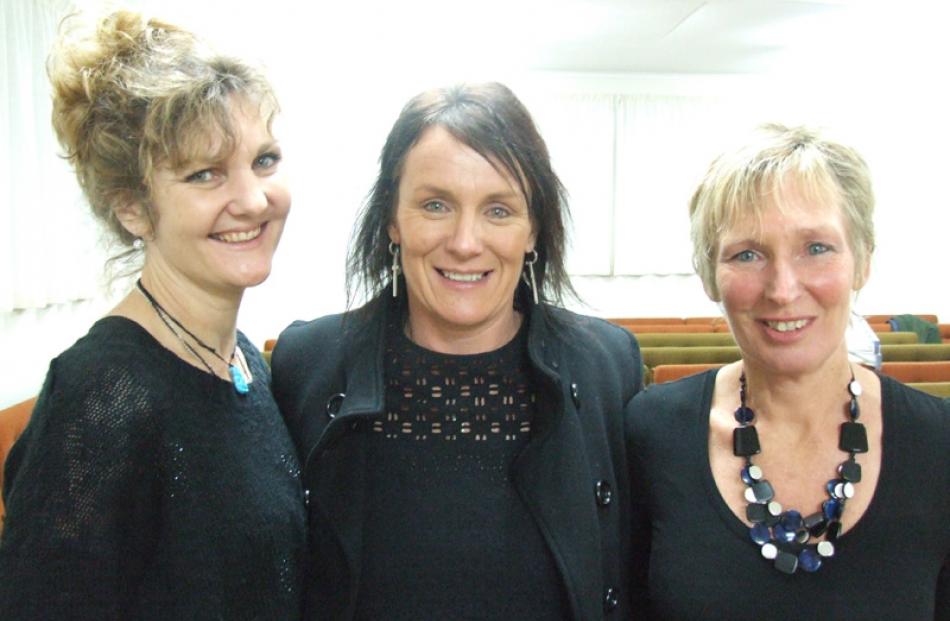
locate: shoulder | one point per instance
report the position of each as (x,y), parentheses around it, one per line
(100,396)
(598,352)
(927,415)
(591,334)
(670,403)
(117,362)
(306,347)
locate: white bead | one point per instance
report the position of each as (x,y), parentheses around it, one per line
(769,551)
(775,508)
(750,495)
(826,548)
(854,388)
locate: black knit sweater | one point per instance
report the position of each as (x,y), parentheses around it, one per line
(445,531)
(146,488)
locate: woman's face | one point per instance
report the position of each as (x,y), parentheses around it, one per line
(219,219)
(786,285)
(463,228)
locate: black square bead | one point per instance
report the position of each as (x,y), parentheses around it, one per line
(756,513)
(745,441)
(834,529)
(853,438)
(816,524)
(786,562)
(850,471)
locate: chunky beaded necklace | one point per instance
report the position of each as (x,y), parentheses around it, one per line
(238,378)
(784,537)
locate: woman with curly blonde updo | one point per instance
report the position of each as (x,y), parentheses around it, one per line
(156,478)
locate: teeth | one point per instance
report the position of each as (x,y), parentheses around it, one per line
(463,277)
(238,236)
(787,326)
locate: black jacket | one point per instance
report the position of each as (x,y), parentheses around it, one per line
(572,475)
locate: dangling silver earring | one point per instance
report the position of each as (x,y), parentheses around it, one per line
(530,259)
(138,243)
(396,268)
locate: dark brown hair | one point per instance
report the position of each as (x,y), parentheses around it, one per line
(490,119)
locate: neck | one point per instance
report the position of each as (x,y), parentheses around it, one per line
(456,340)
(209,315)
(802,400)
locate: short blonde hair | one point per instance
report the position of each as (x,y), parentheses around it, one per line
(743,182)
(130,94)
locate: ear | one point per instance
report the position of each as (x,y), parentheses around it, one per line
(393,231)
(134,219)
(532,242)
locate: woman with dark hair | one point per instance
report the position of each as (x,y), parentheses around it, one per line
(462,437)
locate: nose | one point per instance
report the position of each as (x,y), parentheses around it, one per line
(784,282)
(248,194)
(466,239)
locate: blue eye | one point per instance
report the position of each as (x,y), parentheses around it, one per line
(745,256)
(818,248)
(200,176)
(267,160)
(499,211)
(434,206)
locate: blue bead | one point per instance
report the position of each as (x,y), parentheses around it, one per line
(783,534)
(830,487)
(237,378)
(791,520)
(760,534)
(853,409)
(809,560)
(744,415)
(832,509)
(763,491)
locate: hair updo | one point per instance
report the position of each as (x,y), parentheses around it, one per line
(131,94)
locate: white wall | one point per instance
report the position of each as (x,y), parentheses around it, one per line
(336,116)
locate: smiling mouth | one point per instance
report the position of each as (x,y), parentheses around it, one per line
(787,326)
(236,237)
(463,277)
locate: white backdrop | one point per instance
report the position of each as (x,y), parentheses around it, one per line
(628,147)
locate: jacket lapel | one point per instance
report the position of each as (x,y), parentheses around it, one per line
(553,477)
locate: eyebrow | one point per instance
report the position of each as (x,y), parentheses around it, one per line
(428,188)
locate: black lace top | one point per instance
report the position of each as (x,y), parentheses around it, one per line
(146,488)
(445,531)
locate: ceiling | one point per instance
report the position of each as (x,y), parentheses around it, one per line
(585,36)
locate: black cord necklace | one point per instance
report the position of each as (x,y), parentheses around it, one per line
(784,536)
(238,379)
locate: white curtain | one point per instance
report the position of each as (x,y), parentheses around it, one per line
(48,242)
(630,163)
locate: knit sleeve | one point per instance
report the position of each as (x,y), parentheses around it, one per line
(79,494)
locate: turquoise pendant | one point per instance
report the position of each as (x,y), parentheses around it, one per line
(237,378)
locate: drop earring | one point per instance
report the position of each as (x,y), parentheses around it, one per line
(396,268)
(530,259)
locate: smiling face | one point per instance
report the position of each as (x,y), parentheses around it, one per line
(463,228)
(786,285)
(218,218)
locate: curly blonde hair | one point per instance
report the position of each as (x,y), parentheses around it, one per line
(131,94)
